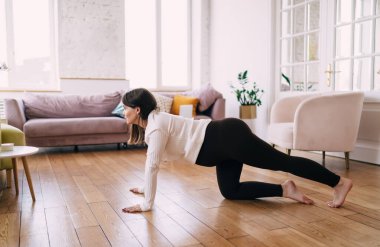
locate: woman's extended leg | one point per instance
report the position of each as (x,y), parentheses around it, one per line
(251,150)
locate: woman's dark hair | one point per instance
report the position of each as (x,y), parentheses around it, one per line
(139,97)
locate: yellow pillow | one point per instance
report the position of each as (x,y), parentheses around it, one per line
(179,100)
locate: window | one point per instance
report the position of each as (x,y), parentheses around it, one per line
(357,51)
(27,45)
(158,43)
(299,40)
(329,45)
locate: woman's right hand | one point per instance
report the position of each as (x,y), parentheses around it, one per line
(136,191)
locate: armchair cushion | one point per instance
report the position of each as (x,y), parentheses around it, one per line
(281,134)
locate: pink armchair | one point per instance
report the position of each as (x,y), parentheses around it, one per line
(317,122)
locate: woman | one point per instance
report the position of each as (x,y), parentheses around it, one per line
(226,144)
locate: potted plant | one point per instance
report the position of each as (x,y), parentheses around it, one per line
(248,95)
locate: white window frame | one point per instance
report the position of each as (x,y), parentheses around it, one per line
(159,83)
(13,86)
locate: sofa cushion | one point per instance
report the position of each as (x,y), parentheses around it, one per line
(119,110)
(164,103)
(69,106)
(206,95)
(179,100)
(74,126)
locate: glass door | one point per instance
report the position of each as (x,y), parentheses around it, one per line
(300,35)
(329,45)
(356,45)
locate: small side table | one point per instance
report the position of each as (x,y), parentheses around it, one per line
(21,151)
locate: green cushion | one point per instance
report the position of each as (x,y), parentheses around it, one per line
(10,134)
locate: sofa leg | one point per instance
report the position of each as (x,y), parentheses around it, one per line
(347,159)
(288,151)
(76,148)
(323,157)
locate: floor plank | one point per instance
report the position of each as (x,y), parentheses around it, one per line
(60,227)
(147,234)
(9,229)
(92,236)
(115,230)
(174,232)
(199,230)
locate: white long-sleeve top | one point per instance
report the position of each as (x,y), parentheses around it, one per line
(171,137)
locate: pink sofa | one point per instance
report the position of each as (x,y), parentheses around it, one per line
(71,120)
(65,120)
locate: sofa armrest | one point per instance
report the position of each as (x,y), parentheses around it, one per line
(283,110)
(14,112)
(218,109)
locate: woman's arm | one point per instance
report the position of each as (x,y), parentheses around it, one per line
(156,148)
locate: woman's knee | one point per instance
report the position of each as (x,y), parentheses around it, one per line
(228,175)
(228,192)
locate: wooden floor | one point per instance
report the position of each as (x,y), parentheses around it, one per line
(80,197)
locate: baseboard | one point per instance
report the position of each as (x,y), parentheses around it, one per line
(365,151)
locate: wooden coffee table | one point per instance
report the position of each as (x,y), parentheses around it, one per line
(21,151)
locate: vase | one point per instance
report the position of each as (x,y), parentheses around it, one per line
(247,111)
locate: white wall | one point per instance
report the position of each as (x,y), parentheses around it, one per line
(240,39)
(91,39)
(79,86)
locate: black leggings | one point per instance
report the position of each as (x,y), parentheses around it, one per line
(230,142)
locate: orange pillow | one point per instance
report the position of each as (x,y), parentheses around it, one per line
(179,100)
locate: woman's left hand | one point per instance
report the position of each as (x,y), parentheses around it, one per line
(134,209)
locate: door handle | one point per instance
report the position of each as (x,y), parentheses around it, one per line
(329,72)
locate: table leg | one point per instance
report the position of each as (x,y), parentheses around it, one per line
(9,178)
(28,177)
(14,166)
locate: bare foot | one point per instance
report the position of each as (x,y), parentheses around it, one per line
(132,209)
(136,190)
(290,190)
(340,192)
